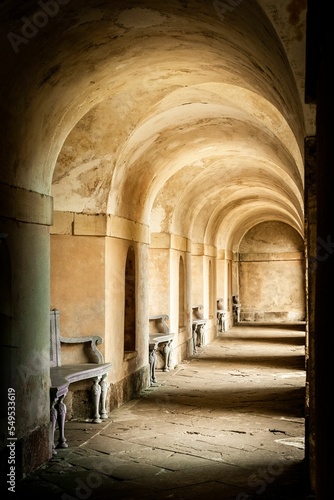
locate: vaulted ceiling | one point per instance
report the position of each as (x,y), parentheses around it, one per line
(186,116)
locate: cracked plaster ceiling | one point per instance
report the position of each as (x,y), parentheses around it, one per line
(185,116)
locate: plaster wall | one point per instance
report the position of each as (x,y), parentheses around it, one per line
(88,287)
(271,274)
(197,282)
(210,300)
(77,289)
(130,370)
(221,281)
(272,291)
(200,287)
(229,264)
(182,335)
(116,252)
(164,257)
(223,287)
(159,281)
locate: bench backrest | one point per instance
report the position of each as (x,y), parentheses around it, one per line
(91,352)
(55,358)
(157,324)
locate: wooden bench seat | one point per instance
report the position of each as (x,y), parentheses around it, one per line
(63,375)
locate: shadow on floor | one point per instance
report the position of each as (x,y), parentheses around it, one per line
(227,423)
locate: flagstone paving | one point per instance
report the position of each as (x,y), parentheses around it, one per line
(227,423)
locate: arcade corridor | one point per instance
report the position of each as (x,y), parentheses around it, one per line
(161,158)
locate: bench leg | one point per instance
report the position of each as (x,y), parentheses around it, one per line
(53,418)
(153,362)
(104,391)
(61,416)
(96,394)
(201,336)
(167,352)
(195,339)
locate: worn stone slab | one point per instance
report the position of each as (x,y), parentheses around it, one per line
(80,483)
(168,480)
(116,467)
(112,446)
(204,490)
(227,423)
(41,491)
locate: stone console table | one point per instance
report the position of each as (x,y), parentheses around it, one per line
(221,315)
(160,339)
(198,327)
(63,375)
(236,309)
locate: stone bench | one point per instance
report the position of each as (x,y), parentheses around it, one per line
(63,375)
(198,327)
(160,339)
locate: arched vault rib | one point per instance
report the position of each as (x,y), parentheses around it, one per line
(213,140)
(92,52)
(243,217)
(193,197)
(248,198)
(245,102)
(261,200)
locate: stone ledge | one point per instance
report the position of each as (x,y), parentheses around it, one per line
(25,206)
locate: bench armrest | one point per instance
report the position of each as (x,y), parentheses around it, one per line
(94,341)
(160,323)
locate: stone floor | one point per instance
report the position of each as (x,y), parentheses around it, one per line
(227,423)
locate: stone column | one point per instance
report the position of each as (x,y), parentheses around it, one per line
(25,353)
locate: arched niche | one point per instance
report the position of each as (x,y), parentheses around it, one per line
(130,302)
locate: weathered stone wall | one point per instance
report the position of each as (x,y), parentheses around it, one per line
(224,284)
(77,286)
(164,283)
(271,274)
(88,278)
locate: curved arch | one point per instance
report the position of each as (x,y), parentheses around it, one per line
(191,134)
(101,52)
(191,205)
(230,214)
